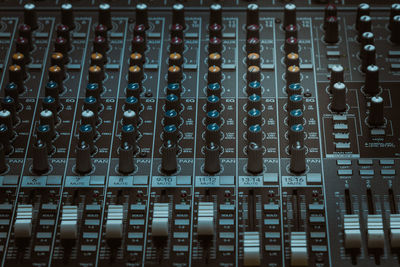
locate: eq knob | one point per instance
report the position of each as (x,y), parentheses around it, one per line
(376,116)
(30,16)
(169,162)
(254,116)
(331,30)
(172,102)
(126,164)
(88,117)
(213,116)
(105,15)
(170,132)
(133,89)
(212,158)
(5,138)
(296,134)
(252,14)
(52,89)
(395,30)
(254,134)
(295,117)
(254,158)
(362,10)
(213,102)
(216,14)
(253,87)
(171,117)
(44,133)
(83,159)
(9,104)
(298,158)
(46,117)
(213,134)
(67,16)
(128,135)
(86,134)
(254,102)
(339,97)
(289,15)
(294,89)
(178,14)
(40,161)
(130,117)
(142,15)
(295,102)
(371,86)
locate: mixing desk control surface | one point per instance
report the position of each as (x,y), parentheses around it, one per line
(199,133)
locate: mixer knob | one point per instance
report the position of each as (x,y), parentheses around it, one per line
(337,75)
(289,15)
(19,59)
(131,103)
(214,74)
(296,134)
(394,11)
(213,116)
(169,162)
(44,134)
(135,75)
(362,10)
(292,74)
(253,45)
(101,30)
(52,89)
(294,89)
(51,104)
(395,30)
(216,14)
(126,164)
(369,58)
(339,97)
(254,158)
(213,134)
(142,16)
(330,11)
(253,87)
(254,134)
(295,102)
(172,102)
(88,117)
(252,31)
(175,59)
(83,159)
(178,14)
(23,46)
(56,74)
(58,59)
(291,45)
(371,86)
(253,73)
(295,117)
(290,31)
(9,104)
(364,25)
(292,59)
(174,74)
(5,138)
(176,45)
(6,118)
(214,45)
(40,161)
(214,59)
(86,135)
(130,117)
(64,31)
(138,44)
(367,38)
(140,30)
(100,45)
(94,90)
(12,91)
(137,59)
(376,116)
(61,45)
(3,164)
(16,76)
(254,102)
(212,158)
(67,16)
(133,89)
(177,31)
(105,15)
(30,16)
(170,132)
(298,158)
(213,102)
(25,31)
(128,135)
(254,117)
(331,30)
(214,89)
(252,14)
(253,59)
(92,104)
(96,75)
(47,118)
(171,117)
(215,30)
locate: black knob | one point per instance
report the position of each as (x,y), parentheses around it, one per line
(92,104)
(171,117)
(40,161)
(30,16)
(174,74)
(132,103)
(214,74)
(213,134)
(44,133)
(16,75)
(337,75)
(364,25)
(290,31)
(6,118)
(254,158)
(292,74)
(23,46)
(215,30)
(126,164)
(105,15)
(298,158)
(362,10)
(253,87)
(295,102)
(9,104)
(135,75)
(88,117)
(254,134)
(83,159)
(213,102)
(330,11)
(5,138)
(215,14)
(58,59)
(253,59)
(3,164)
(371,86)
(214,59)
(169,162)
(252,16)
(51,104)
(100,45)
(172,102)
(252,31)
(289,15)
(142,16)
(394,11)
(20,60)
(331,30)
(176,45)
(369,58)
(253,74)
(213,116)
(11,90)
(137,59)
(64,31)
(128,135)
(174,88)
(367,38)
(175,59)
(86,135)
(170,132)
(101,30)
(61,45)
(291,45)
(25,31)
(133,89)
(130,117)
(292,59)
(395,30)
(214,45)
(67,16)
(339,97)
(177,31)
(296,134)
(212,160)
(46,117)
(178,14)
(94,90)
(52,89)
(138,44)
(253,45)
(376,115)
(96,75)
(295,117)
(140,30)
(56,74)
(254,102)
(254,116)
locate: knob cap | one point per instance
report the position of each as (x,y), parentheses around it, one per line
(295,102)
(295,117)
(126,164)
(254,102)
(100,45)
(178,14)
(130,117)
(8,103)
(395,30)
(339,97)
(369,58)
(364,25)
(214,89)
(30,16)
(11,90)
(362,10)
(83,159)
(169,162)
(253,74)
(213,134)
(214,59)
(5,138)
(254,158)
(291,31)
(16,75)
(330,11)
(40,161)
(56,74)
(253,87)
(88,117)
(332,30)
(296,134)
(176,45)
(254,134)
(23,46)
(135,75)
(46,117)
(172,102)
(254,117)
(212,160)
(394,11)
(213,116)
(371,86)
(6,118)
(25,31)
(142,15)
(94,90)
(138,44)
(171,117)
(174,74)
(253,45)
(174,88)
(105,15)
(292,74)
(215,14)
(44,133)
(214,74)
(128,135)
(298,158)
(170,132)
(294,89)
(376,115)
(213,102)
(67,16)
(214,45)
(337,75)
(175,59)
(50,103)
(292,59)
(366,39)
(131,103)
(253,31)
(289,15)
(253,59)
(291,45)
(137,59)
(176,31)
(252,14)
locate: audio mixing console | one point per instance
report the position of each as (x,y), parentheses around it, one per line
(199,133)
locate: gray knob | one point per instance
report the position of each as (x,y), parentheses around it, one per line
(254,134)
(254,158)
(169,161)
(83,159)
(212,161)
(39,157)
(364,25)
(376,116)
(298,158)
(339,97)
(337,75)
(295,102)
(126,164)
